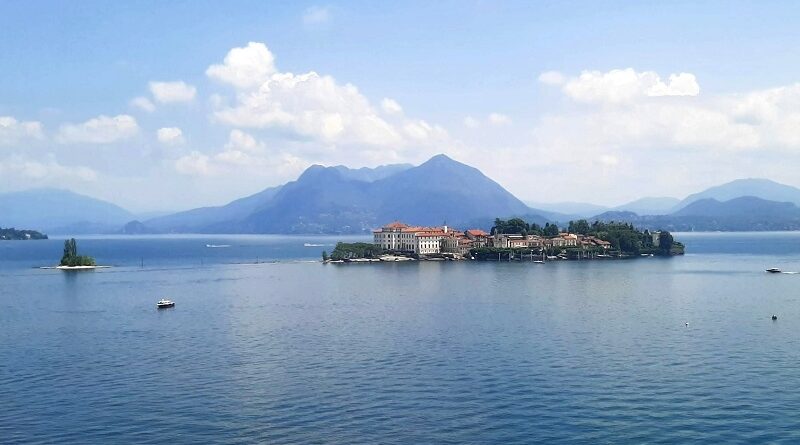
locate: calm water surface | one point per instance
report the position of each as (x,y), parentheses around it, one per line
(265,346)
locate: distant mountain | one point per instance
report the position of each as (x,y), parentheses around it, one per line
(745,213)
(759,188)
(650,206)
(324,200)
(60,211)
(136,228)
(205,219)
(570,210)
(616,215)
(743,208)
(367,174)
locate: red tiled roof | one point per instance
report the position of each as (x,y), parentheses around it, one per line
(396,225)
(477,232)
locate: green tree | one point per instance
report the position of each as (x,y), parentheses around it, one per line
(580,226)
(550,229)
(324,255)
(665,241)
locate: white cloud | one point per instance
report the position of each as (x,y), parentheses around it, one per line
(624,85)
(390,106)
(242,155)
(316,108)
(143,104)
(100,130)
(170,136)
(13,131)
(46,171)
(552,78)
(471,122)
(194,164)
(244,68)
(170,92)
(498,119)
(239,140)
(316,15)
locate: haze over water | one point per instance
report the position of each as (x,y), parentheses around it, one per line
(299,352)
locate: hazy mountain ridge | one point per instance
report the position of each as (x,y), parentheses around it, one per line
(343,200)
(60,211)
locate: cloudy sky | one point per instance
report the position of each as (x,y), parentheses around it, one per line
(171,105)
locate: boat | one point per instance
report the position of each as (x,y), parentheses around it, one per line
(773,270)
(163,303)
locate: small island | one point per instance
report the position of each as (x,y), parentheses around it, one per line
(509,240)
(71,260)
(13,234)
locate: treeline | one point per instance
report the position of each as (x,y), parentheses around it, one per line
(14,234)
(346,251)
(624,237)
(517,226)
(71,257)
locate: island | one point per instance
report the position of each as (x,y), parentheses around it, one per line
(509,240)
(13,234)
(71,259)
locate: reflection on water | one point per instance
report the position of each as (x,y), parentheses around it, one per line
(297,352)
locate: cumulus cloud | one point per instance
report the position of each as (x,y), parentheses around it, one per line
(247,67)
(13,131)
(471,122)
(621,85)
(170,92)
(239,140)
(498,119)
(194,164)
(552,78)
(630,113)
(493,119)
(315,108)
(170,136)
(143,104)
(45,171)
(99,130)
(243,154)
(316,15)
(390,106)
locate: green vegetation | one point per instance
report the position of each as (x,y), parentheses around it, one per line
(14,234)
(517,226)
(625,240)
(345,251)
(71,257)
(325,255)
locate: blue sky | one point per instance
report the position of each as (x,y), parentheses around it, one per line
(604,125)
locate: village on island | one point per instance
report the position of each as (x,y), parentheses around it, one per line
(508,240)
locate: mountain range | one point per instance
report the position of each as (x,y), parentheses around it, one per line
(440,191)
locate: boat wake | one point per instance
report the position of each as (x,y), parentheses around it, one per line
(217,246)
(314,245)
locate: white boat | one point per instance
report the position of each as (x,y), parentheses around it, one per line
(163,303)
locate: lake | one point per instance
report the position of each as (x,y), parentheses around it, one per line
(265,345)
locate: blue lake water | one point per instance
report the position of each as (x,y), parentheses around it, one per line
(266,346)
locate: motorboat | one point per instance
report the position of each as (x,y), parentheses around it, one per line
(163,304)
(773,270)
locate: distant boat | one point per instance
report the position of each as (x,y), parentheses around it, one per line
(163,304)
(313,245)
(773,270)
(217,246)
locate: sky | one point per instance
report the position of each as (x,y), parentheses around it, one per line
(161,106)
